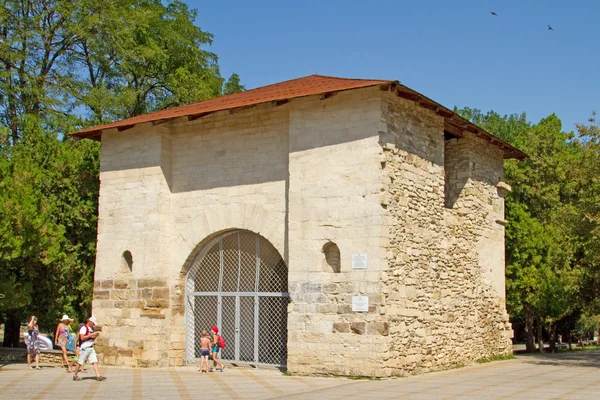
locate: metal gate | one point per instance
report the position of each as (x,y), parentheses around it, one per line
(238,282)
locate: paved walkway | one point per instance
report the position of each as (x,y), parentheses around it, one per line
(573,375)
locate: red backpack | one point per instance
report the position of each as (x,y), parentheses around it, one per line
(220,342)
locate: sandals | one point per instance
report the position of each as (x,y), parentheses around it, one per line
(98,378)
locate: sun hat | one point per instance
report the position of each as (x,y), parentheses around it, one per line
(93,319)
(215,329)
(66,317)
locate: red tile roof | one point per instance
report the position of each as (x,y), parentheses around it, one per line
(300,87)
(306,86)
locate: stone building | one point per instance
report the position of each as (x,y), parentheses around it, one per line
(327,225)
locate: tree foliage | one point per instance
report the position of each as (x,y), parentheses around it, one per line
(588,184)
(92,61)
(67,64)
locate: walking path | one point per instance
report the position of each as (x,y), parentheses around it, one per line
(574,375)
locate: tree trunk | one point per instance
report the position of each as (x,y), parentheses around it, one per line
(552,330)
(530,338)
(540,337)
(12,329)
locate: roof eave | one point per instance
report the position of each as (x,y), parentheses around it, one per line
(453,122)
(452,119)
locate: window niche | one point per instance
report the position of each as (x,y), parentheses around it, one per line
(456,169)
(331,263)
(126,261)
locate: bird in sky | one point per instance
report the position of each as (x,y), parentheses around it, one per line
(493,13)
(550,28)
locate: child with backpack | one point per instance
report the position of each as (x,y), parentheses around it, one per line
(217,343)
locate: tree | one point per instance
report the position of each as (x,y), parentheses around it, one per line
(136,57)
(233,85)
(65,65)
(588,182)
(34,53)
(66,62)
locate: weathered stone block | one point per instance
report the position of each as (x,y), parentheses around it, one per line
(135,304)
(125,353)
(150,283)
(121,284)
(383,328)
(160,293)
(117,294)
(135,344)
(152,313)
(358,328)
(156,303)
(341,327)
(107,284)
(101,294)
(177,310)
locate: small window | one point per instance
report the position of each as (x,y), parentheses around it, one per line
(456,169)
(126,261)
(332,258)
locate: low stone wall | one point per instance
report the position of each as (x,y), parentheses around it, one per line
(135,317)
(19,355)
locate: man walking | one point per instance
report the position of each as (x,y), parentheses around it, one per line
(87,336)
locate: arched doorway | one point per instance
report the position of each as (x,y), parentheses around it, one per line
(239,282)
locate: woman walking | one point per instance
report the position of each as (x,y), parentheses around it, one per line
(61,338)
(33,348)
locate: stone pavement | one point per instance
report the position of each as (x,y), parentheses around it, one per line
(573,375)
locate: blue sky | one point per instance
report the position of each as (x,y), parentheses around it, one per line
(454,52)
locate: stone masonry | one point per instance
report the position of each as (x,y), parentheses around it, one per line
(362,171)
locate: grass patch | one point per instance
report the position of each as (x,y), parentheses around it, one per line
(286,373)
(457,366)
(578,348)
(358,378)
(496,357)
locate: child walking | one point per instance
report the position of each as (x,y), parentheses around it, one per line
(215,348)
(204,351)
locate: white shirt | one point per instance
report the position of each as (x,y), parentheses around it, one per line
(83,332)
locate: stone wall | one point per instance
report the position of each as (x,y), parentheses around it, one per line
(360,172)
(164,190)
(441,310)
(334,191)
(19,356)
(134,332)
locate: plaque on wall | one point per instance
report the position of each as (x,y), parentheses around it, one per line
(360,303)
(359,261)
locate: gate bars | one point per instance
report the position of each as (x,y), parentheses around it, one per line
(238,282)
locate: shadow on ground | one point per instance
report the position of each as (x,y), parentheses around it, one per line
(589,358)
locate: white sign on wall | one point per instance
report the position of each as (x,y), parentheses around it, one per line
(360,303)
(359,261)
